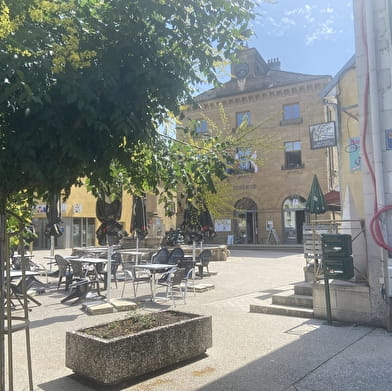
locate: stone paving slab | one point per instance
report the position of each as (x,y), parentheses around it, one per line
(124,304)
(200,287)
(97,308)
(101,307)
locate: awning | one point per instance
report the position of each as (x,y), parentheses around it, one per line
(333,199)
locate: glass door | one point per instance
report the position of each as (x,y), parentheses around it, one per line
(83,232)
(293,215)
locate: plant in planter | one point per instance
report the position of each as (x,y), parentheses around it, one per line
(120,350)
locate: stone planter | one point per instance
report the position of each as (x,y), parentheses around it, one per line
(111,361)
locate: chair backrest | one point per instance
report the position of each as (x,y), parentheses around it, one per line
(128,265)
(186,264)
(205,257)
(114,267)
(130,274)
(17,262)
(62,264)
(116,262)
(116,257)
(161,256)
(175,256)
(188,273)
(177,276)
(77,269)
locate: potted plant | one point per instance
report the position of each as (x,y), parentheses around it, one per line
(120,350)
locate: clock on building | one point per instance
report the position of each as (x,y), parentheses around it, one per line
(241,70)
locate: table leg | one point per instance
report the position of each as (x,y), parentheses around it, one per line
(97,279)
(153,287)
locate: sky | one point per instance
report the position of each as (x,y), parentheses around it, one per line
(308,36)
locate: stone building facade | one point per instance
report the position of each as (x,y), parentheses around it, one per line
(270,187)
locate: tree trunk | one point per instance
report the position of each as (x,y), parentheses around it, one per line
(3,257)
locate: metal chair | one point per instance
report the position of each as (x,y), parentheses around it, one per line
(29,264)
(172,280)
(203,261)
(17,291)
(82,280)
(79,291)
(64,271)
(189,274)
(175,256)
(131,276)
(115,263)
(161,256)
(79,271)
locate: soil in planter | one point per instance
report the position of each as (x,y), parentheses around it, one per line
(136,323)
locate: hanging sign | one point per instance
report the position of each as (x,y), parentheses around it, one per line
(322,135)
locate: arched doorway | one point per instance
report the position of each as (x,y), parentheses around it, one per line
(245,221)
(293,216)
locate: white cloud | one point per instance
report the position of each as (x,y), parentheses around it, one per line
(325,31)
(327,11)
(295,11)
(272,21)
(306,12)
(317,21)
(286,20)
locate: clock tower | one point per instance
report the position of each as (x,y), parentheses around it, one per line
(249,65)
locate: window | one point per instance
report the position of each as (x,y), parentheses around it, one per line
(292,155)
(291,112)
(201,126)
(244,162)
(242,117)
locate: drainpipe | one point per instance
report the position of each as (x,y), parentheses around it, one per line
(335,105)
(374,105)
(376,129)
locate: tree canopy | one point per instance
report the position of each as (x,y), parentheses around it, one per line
(86,82)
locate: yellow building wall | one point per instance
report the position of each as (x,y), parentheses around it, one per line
(79,195)
(349,125)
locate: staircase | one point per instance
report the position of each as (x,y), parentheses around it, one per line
(296,302)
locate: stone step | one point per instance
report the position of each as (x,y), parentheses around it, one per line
(290,299)
(304,288)
(273,309)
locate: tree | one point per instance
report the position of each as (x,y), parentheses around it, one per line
(84,82)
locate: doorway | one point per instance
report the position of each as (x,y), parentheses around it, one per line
(293,216)
(83,232)
(245,222)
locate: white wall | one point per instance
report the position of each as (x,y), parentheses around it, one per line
(373,59)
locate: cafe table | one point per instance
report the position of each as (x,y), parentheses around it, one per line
(18,273)
(137,256)
(154,268)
